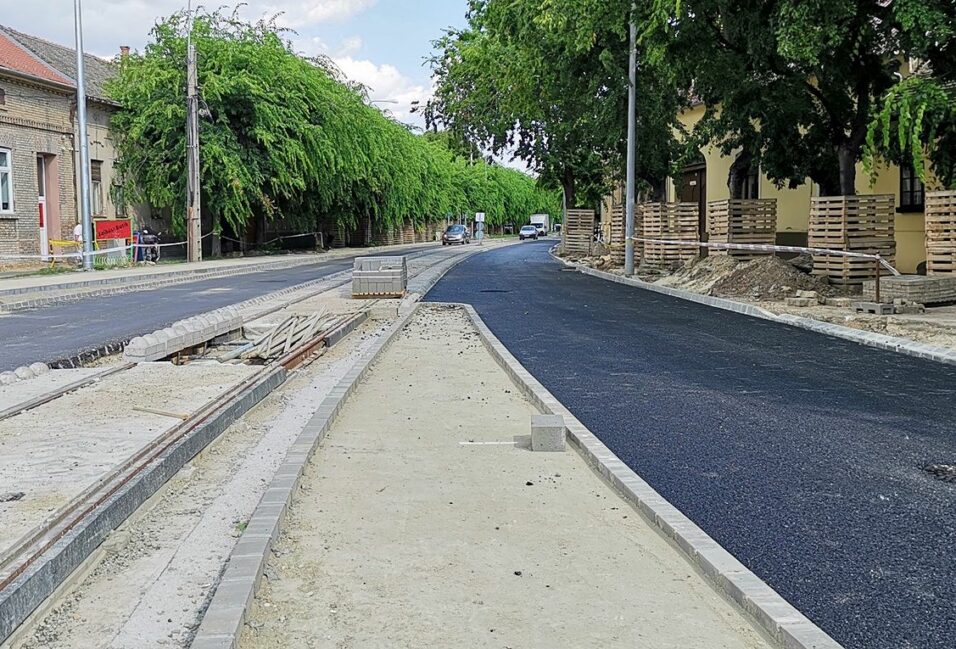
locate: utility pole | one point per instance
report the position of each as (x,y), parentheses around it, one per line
(86,218)
(631,151)
(193,211)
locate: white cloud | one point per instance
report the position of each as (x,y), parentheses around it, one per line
(300,13)
(387,84)
(110,23)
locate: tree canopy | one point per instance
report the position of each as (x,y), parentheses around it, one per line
(284,136)
(547,81)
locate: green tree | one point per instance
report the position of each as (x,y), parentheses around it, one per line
(526,78)
(284,137)
(917,119)
(795,83)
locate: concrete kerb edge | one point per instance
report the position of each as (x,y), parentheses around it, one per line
(44,577)
(778,618)
(223,621)
(870,339)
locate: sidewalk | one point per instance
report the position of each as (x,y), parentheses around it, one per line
(424,512)
(63,281)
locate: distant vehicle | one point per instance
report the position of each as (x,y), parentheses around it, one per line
(528,232)
(542,222)
(455,234)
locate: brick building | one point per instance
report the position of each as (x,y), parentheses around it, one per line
(38,142)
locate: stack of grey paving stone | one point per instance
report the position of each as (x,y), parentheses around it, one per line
(932,289)
(379,277)
(182,335)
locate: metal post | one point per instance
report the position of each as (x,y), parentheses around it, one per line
(193,203)
(879,271)
(86,218)
(631,151)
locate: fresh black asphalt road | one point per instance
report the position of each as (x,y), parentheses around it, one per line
(799,453)
(56,332)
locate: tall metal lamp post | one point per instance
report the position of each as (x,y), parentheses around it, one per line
(86,218)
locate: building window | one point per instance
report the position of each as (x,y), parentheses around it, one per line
(3,97)
(6,181)
(96,188)
(912,191)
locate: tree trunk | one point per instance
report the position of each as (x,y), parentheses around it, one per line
(216,244)
(847,154)
(568,184)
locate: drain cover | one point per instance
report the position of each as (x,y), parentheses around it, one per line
(944,472)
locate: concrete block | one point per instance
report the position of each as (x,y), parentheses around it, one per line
(24,373)
(875,308)
(40,368)
(800,301)
(6,378)
(547,433)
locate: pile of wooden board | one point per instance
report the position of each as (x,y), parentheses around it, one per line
(863,224)
(941,232)
(745,221)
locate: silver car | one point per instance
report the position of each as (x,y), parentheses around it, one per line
(455,234)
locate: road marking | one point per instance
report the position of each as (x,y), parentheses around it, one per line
(487,443)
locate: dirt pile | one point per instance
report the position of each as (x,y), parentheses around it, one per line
(701,273)
(768,278)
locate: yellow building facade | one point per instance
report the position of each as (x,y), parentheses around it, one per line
(793,205)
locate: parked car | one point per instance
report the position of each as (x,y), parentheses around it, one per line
(528,232)
(455,234)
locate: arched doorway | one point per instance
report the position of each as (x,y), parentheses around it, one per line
(693,189)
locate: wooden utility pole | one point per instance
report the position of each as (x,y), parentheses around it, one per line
(193,212)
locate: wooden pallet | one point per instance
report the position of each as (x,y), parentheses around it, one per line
(745,221)
(618,240)
(941,232)
(670,222)
(863,224)
(578,232)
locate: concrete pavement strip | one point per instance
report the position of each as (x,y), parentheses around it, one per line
(784,623)
(445,576)
(38,583)
(868,338)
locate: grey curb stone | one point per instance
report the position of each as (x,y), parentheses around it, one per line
(869,338)
(785,624)
(222,624)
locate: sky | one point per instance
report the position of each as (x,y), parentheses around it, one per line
(380,43)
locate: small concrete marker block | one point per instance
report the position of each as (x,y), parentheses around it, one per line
(6,378)
(40,368)
(24,373)
(547,433)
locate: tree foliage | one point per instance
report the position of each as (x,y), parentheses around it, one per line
(917,119)
(284,137)
(795,83)
(547,81)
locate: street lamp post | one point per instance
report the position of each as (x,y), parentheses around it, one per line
(86,218)
(631,151)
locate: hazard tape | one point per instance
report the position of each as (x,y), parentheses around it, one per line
(768,248)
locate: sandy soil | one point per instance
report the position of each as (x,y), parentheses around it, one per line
(55,451)
(22,391)
(154,576)
(424,521)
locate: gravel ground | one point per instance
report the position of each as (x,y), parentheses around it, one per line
(421,523)
(152,579)
(799,453)
(55,451)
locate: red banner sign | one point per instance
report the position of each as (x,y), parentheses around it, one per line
(106,230)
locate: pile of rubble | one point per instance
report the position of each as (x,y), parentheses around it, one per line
(771,278)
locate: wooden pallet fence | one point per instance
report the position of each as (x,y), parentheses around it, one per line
(578,232)
(743,221)
(618,240)
(669,222)
(863,224)
(941,232)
